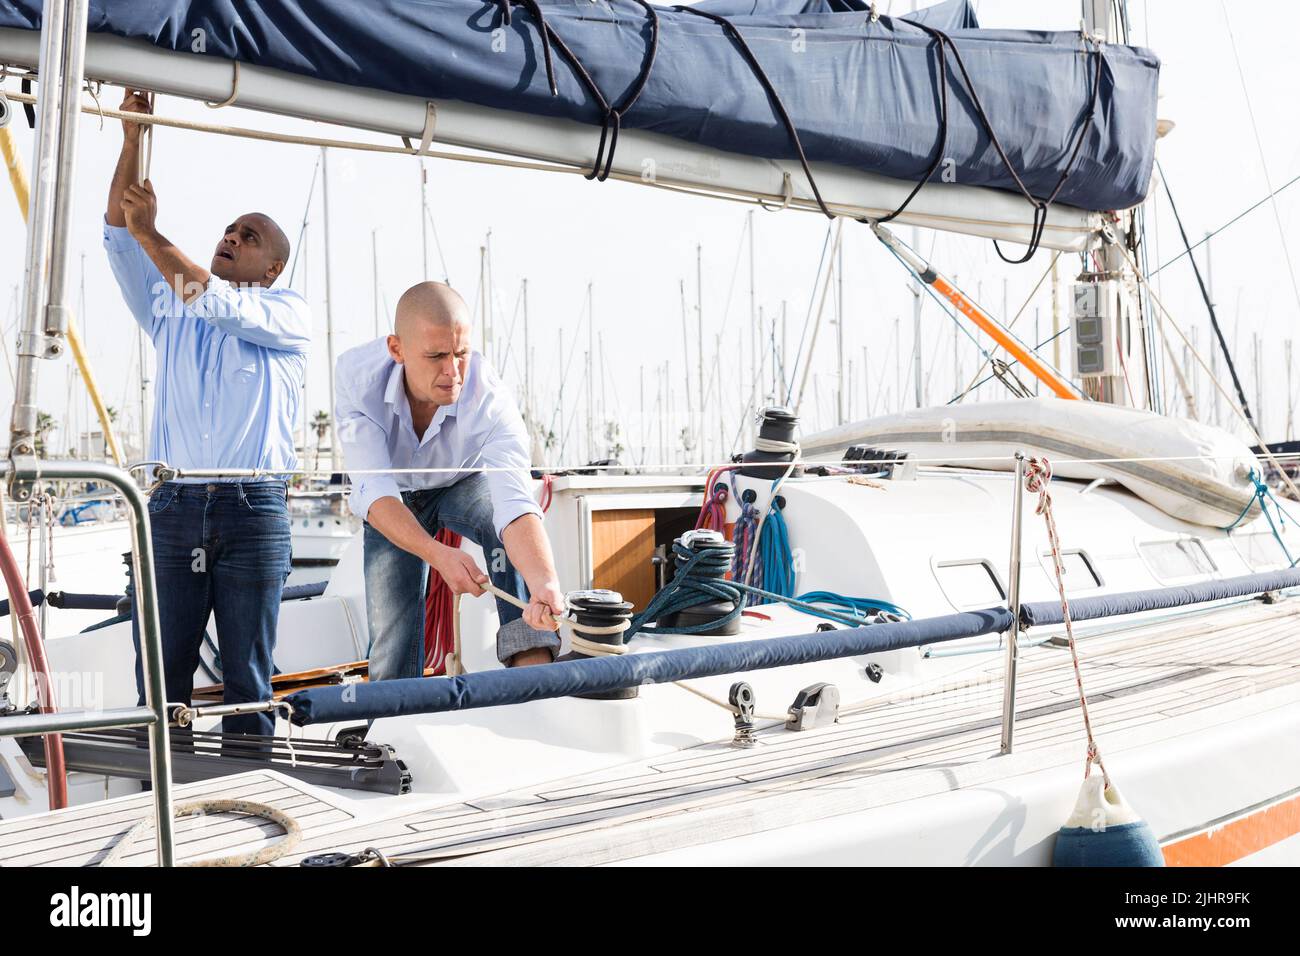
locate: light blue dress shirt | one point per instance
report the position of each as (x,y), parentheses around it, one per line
(230,369)
(481,429)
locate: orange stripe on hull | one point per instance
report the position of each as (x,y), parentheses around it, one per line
(1238,838)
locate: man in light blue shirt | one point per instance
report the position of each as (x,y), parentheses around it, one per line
(231,356)
(422,398)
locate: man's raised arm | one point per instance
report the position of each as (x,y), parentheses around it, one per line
(127,172)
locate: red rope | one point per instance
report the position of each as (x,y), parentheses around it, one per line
(20,606)
(1038,474)
(439,639)
(713,512)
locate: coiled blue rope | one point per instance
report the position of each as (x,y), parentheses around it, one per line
(699,580)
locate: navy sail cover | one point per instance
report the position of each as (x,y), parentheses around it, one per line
(861,92)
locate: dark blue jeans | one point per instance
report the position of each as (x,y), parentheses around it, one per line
(219,548)
(395,581)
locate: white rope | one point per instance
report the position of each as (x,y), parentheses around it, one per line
(775,445)
(292,833)
(725,705)
(147,160)
(579,642)
(453,663)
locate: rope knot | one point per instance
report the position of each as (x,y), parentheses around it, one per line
(1038,475)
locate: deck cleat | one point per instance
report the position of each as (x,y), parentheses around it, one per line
(817,705)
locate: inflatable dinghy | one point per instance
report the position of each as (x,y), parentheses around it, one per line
(1188,470)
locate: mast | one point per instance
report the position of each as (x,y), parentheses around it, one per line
(489,332)
(839,337)
(784,384)
(866,384)
(528,380)
(755,330)
(1114,283)
(306,292)
(144,392)
(1290,395)
(916,329)
(424,222)
(1056,314)
(686,358)
(1259,383)
(1214,353)
(722,428)
(329,309)
(482,298)
(699,355)
(560,366)
(591,348)
(660,376)
(1291,401)
(374,262)
(898,361)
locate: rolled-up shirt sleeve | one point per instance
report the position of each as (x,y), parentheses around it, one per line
(271,318)
(365,448)
(505,455)
(143,288)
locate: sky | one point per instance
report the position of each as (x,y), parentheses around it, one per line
(1234,136)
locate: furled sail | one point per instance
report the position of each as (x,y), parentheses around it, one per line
(929,97)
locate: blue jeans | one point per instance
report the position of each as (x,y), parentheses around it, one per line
(219,548)
(395,581)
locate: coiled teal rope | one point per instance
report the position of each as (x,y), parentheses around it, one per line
(700,580)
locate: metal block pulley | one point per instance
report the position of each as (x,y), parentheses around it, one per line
(742,700)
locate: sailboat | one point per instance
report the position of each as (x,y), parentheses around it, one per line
(899,641)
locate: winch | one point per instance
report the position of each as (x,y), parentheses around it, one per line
(599,617)
(776,442)
(716,566)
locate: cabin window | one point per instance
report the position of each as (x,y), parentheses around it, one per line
(1076,571)
(1180,558)
(970,584)
(1261,551)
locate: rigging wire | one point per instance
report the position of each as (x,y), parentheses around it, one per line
(1259,145)
(1209,305)
(1233,221)
(297,246)
(812,298)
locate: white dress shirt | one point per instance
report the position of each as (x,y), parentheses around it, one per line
(230,365)
(481,429)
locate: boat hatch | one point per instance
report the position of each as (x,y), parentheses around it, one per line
(971,583)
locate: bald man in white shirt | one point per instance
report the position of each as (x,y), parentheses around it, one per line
(422,398)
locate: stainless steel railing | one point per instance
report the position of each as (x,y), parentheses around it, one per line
(154,715)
